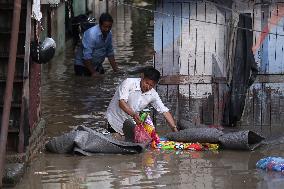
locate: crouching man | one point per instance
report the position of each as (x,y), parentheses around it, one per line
(131,97)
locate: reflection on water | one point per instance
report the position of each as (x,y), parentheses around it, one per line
(152,169)
(70,101)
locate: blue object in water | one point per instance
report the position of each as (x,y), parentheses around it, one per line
(163,139)
(271,164)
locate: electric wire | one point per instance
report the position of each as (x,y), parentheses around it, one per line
(197,20)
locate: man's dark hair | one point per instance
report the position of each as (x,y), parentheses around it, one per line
(152,74)
(105,17)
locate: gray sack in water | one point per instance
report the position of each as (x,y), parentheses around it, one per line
(201,135)
(241,140)
(234,140)
(86,141)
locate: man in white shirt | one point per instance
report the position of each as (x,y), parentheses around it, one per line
(131,97)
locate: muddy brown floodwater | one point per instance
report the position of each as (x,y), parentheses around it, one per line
(69,101)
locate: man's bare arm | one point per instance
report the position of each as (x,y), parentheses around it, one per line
(113,63)
(168,116)
(124,106)
(89,65)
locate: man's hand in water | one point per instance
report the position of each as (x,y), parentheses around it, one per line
(118,71)
(96,74)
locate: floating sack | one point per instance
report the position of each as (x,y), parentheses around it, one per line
(271,164)
(241,140)
(43,52)
(202,135)
(86,141)
(234,140)
(62,144)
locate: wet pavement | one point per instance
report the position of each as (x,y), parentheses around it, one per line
(70,101)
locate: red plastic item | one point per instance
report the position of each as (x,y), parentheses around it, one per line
(141,135)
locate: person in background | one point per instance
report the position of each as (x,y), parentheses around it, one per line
(96,46)
(131,97)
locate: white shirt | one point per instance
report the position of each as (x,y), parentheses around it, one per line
(130,91)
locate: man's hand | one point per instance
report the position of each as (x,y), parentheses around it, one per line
(125,107)
(170,121)
(96,74)
(174,129)
(136,118)
(118,71)
(89,65)
(113,63)
(115,69)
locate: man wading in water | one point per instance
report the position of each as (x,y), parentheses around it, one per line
(96,45)
(131,97)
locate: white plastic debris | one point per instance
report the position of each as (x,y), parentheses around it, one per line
(36,13)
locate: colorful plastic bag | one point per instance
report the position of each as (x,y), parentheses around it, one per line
(146,132)
(149,127)
(141,135)
(271,164)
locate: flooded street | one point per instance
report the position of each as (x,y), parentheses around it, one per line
(69,101)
